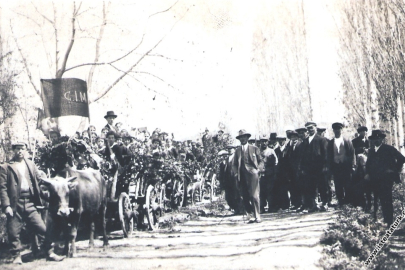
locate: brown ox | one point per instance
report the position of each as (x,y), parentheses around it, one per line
(82,194)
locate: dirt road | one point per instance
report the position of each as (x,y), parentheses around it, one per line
(281,241)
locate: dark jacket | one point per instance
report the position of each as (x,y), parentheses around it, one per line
(292,158)
(350,158)
(313,155)
(379,163)
(359,144)
(10,185)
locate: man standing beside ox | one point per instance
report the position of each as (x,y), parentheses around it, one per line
(21,198)
(246,164)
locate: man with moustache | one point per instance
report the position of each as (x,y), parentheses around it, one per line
(246,165)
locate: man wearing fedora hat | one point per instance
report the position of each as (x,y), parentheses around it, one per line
(246,165)
(268,175)
(206,138)
(383,165)
(21,198)
(110,117)
(291,163)
(342,163)
(313,165)
(361,142)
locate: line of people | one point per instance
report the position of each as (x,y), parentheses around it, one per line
(296,172)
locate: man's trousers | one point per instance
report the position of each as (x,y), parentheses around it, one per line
(26,212)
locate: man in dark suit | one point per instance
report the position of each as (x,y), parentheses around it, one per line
(246,164)
(313,164)
(361,142)
(110,117)
(20,199)
(206,138)
(383,165)
(291,160)
(342,162)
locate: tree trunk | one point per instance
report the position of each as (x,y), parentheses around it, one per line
(400,125)
(395,133)
(375,118)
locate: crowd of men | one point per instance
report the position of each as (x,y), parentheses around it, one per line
(294,172)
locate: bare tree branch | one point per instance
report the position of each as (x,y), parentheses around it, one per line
(56,40)
(126,54)
(163,11)
(97,55)
(137,62)
(62,70)
(29,18)
(27,70)
(157,77)
(43,16)
(136,79)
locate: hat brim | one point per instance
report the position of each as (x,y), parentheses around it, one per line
(113,115)
(245,134)
(377,137)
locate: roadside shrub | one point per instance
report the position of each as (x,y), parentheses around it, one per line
(352,238)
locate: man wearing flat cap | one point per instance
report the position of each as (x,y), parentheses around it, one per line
(110,117)
(313,165)
(302,133)
(20,199)
(361,142)
(321,131)
(246,165)
(383,165)
(342,163)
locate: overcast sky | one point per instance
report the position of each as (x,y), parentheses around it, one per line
(205,67)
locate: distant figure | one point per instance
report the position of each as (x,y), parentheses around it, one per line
(206,138)
(110,117)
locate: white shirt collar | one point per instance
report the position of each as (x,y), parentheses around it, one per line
(245,147)
(310,138)
(377,147)
(338,143)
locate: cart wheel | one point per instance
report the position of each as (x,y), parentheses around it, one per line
(125,212)
(153,209)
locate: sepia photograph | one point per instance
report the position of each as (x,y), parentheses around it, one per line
(202,134)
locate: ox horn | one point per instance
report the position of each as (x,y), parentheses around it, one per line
(46,181)
(70,179)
